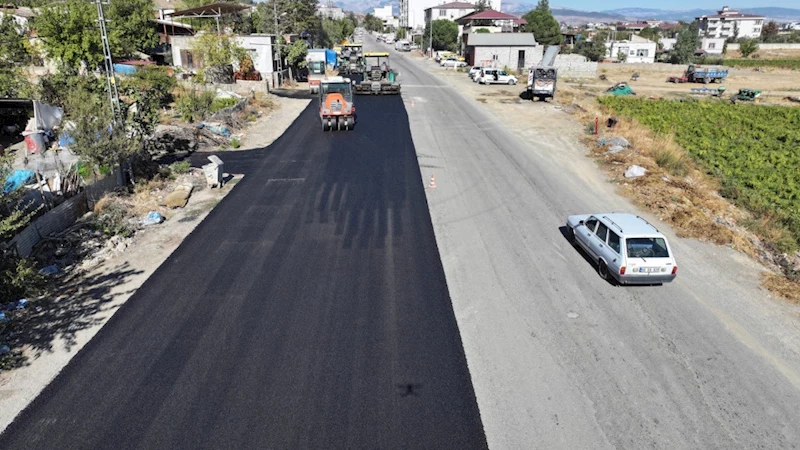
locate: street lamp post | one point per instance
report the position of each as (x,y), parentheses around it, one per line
(278,41)
(430,24)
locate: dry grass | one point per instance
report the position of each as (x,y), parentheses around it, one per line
(779,284)
(678,192)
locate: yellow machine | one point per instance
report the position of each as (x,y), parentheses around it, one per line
(379,77)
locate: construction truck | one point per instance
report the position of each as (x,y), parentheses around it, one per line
(542,78)
(379,78)
(315,62)
(351,60)
(336,108)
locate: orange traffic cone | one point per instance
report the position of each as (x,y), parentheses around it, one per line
(432,184)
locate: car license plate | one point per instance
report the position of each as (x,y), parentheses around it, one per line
(648,269)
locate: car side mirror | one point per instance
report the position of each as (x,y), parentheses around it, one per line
(581,222)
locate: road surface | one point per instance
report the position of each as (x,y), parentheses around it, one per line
(308,310)
(560,358)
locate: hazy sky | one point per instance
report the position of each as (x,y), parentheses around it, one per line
(594,5)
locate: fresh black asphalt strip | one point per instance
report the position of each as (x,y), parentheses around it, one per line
(308,310)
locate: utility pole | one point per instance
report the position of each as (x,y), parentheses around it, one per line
(111,79)
(430,24)
(278,39)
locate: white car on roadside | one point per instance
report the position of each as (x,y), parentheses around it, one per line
(624,247)
(474,72)
(496,76)
(453,62)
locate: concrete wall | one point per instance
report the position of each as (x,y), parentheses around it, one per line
(769,47)
(56,220)
(507,56)
(575,66)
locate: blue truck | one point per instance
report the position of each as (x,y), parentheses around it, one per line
(696,74)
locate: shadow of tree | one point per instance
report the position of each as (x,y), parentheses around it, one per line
(80,302)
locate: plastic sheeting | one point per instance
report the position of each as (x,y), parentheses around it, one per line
(17,179)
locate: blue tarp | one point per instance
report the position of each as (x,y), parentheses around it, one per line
(126,69)
(19,178)
(65,140)
(331,59)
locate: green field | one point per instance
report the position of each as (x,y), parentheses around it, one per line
(754,150)
(793,64)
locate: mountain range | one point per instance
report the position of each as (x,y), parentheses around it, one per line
(571,16)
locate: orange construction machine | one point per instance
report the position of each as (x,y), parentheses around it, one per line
(336,108)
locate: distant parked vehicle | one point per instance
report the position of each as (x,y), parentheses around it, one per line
(474,72)
(496,76)
(453,62)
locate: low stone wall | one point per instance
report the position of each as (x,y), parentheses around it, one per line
(575,66)
(769,47)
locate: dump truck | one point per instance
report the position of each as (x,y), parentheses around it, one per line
(542,77)
(315,62)
(336,108)
(697,74)
(379,78)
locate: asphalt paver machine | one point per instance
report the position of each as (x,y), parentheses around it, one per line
(379,79)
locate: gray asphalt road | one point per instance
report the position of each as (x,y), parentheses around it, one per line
(560,358)
(308,310)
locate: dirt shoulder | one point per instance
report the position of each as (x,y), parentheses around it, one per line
(55,327)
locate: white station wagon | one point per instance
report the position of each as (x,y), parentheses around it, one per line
(625,247)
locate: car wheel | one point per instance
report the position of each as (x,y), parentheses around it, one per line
(510,82)
(602,269)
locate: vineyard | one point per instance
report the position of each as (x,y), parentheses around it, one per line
(754,150)
(793,64)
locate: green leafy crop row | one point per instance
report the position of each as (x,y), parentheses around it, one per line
(793,64)
(754,150)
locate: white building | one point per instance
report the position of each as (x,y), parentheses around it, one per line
(416,10)
(330,12)
(728,23)
(636,50)
(383,13)
(712,46)
(258,46)
(449,11)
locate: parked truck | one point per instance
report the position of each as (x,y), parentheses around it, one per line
(542,78)
(697,74)
(315,62)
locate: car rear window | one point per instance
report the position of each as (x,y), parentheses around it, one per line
(646,248)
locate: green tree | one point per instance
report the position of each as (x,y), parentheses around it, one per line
(95,140)
(622,56)
(69,31)
(482,30)
(445,35)
(335,31)
(687,43)
(543,25)
(595,49)
(12,42)
(747,47)
(372,23)
(218,53)
(295,54)
(651,33)
(14,83)
(130,29)
(294,17)
(482,5)
(769,33)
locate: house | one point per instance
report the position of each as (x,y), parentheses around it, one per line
(635,26)
(712,46)
(729,23)
(487,21)
(516,51)
(22,15)
(330,12)
(667,44)
(258,46)
(415,15)
(449,11)
(163,8)
(635,50)
(384,12)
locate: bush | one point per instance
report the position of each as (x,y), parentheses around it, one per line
(235,143)
(19,278)
(222,103)
(194,106)
(180,167)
